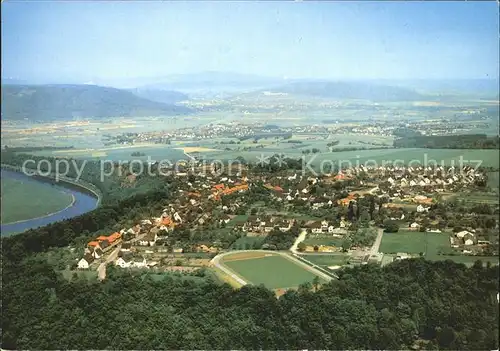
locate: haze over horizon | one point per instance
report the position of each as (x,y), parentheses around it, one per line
(88,41)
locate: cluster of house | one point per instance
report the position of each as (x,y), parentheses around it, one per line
(469,241)
(193,203)
(96,248)
(264,224)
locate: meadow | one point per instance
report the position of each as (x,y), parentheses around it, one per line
(24,199)
(270,269)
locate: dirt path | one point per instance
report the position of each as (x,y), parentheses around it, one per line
(300,238)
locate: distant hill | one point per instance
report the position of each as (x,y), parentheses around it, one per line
(349,90)
(49,102)
(213,81)
(163,96)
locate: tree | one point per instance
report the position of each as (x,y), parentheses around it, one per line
(391,226)
(301,247)
(315,283)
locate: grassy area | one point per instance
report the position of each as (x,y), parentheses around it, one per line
(248,242)
(312,241)
(274,271)
(494,180)
(415,242)
(327,260)
(86,274)
(124,153)
(237,219)
(478,197)
(26,199)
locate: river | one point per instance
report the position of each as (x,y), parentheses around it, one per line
(83,202)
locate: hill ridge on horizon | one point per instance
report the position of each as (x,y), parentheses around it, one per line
(65,101)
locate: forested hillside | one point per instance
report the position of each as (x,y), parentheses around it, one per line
(440,305)
(53,102)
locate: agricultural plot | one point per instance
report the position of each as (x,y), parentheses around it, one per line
(27,199)
(121,153)
(270,269)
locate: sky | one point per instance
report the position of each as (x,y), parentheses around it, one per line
(84,41)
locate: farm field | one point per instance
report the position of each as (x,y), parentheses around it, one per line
(494,180)
(27,199)
(270,269)
(124,153)
(369,157)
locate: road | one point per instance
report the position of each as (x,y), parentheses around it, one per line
(378,240)
(300,238)
(101,270)
(216,262)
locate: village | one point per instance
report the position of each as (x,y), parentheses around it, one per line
(312,215)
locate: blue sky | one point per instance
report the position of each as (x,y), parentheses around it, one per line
(333,40)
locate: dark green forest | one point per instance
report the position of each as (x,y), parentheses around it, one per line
(466,141)
(432,305)
(436,305)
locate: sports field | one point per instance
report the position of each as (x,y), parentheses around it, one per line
(27,199)
(415,242)
(270,269)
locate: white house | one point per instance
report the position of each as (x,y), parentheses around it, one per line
(316,227)
(121,262)
(97,253)
(85,262)
(414,225)
(434,230)
(469,242)
(463,233)
(177,217)
(138,262)
(421,208)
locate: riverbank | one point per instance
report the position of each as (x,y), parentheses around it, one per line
(84,199)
